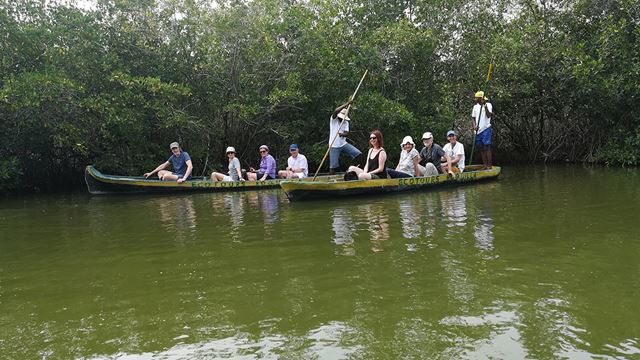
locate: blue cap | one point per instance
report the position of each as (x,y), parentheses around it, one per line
(450,132)
(293,147)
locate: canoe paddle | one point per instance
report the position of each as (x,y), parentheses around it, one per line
(475,131)
(340,127)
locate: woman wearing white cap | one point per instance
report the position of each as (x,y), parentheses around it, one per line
(235,171)
(409,164)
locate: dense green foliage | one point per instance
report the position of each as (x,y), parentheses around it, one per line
(115,84)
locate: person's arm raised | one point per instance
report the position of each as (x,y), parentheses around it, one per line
(339,108)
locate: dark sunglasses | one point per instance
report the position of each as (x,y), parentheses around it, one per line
(263,151)
(230,152)
(372,138)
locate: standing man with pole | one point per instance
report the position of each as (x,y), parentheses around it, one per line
(340,145)
(336,132)
(481,124)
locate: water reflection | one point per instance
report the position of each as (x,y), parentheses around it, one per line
(454,210)
(323,342)
(235,207)
(483,232)
(378,225)
(343,226)
(177,215)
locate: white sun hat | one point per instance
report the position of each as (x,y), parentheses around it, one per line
(407,139)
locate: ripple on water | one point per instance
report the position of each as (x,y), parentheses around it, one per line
(324,342)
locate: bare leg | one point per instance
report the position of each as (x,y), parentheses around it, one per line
(355,169)
(167,175)
(364,176)
(283,174)
(251,176)
(216,176)
(489,159)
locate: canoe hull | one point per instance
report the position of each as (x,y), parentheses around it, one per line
(101,184)
(307,190)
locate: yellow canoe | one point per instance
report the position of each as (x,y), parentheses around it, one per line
(322,189)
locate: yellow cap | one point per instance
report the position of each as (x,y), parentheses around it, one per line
(480,94)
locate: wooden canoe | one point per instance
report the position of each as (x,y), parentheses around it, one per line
(99,183)
(307,190)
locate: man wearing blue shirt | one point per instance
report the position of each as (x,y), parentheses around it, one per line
(180,161)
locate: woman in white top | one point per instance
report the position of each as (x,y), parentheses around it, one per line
(409,164)
(235,170)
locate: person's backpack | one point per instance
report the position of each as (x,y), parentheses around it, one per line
(350,175)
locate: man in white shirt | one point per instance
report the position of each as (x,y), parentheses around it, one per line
(481,123)
(453,155)
(297,167)
(340,145)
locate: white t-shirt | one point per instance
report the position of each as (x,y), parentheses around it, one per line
(485,122)
(299,161)
(406,161)
(334,124)
(458,149)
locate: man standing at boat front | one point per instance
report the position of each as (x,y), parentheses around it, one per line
(481,123)
(180,162)
(340,144)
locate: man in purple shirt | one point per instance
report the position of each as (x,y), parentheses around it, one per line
(267,167)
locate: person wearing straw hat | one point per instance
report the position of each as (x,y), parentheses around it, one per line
(297,167)
(430,156)
(481,124)
(409,164)
(179,160)
(235,170)
(267,169)
(340,145)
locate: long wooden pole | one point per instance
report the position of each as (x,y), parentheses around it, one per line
(340,127)
(475,131)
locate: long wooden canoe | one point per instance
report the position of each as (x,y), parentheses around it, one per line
(99,183)
(307,190)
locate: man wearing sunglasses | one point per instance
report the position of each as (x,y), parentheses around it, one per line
(267,169)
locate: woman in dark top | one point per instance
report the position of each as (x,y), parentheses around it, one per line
(376,159)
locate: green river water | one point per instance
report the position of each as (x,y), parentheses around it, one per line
(542,264)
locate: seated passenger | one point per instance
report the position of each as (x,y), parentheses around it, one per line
(409,164)
(296,165)
(180,161)
(267,167)
(376,159)
(235,170)
(454,155)
(430,156)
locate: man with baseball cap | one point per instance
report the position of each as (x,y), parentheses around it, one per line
(340,145)
(430,156)
(454,155)
(481,124)
(180,161)
(297,167)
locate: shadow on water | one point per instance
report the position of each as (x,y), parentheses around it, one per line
(525,267)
